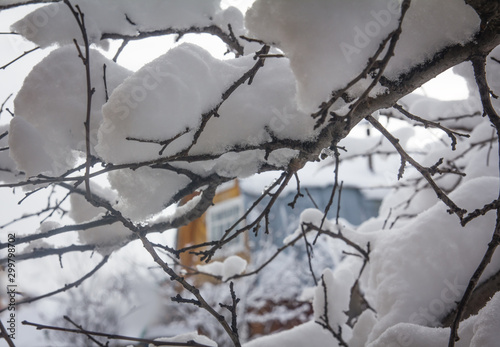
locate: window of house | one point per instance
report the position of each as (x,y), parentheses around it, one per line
(222,216)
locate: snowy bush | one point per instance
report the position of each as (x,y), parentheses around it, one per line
(116,150)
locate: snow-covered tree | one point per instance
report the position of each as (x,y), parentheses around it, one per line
(118,149)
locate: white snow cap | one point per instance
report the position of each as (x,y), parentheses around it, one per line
(7,165)
(192,336)
(163,100)
(328,46)
(55,23)
(107,237)
(48,134)
(231,266)
(163,103)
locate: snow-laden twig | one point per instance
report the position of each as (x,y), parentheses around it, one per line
(338,235)
(309,252)
(268,261)
(324,320)
(227,38)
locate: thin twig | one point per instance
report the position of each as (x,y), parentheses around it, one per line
(65,287)
(451,134)
(309,251)
(3,103)
(106,220)
(19,57)
(232,309)
(6,335)
(114,336)
(192,289)
(84,331)
(324,320)
(80,19)
(478,64)
(425,172)
(488,255)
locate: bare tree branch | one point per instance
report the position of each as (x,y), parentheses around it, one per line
(425,172)
(114,336)
(493,244)
(228,39)
(16,59)
(65,288)
(26,2)
(5,335)
(324,320)
(201,302)
(428,123)
(80,19)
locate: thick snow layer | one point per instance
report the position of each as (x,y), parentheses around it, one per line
(413,335)
(338,286)
(179,87)
(428,27)
(308,334)
(362,329)
(434,259)
(47,134)
(27,148)
(258,111)
(163,100)
(231,266)
(145,191)
(339,44)
(486,328)
(477,331)
(106,237)
(55,24)
(7,165)
(324,29)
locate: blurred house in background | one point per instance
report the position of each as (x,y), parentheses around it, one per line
(274,303)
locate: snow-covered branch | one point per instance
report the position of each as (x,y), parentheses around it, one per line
(131,154)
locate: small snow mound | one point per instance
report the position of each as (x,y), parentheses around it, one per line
(230,267)
(184,338)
